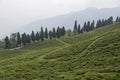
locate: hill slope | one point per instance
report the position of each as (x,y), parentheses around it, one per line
(90,56)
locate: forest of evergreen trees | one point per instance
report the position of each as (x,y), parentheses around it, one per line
(23,39)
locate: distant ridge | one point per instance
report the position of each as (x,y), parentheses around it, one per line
(68,19)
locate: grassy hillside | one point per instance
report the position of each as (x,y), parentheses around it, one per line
(90,56)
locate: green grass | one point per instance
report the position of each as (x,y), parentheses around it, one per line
(94,33)
(89,56)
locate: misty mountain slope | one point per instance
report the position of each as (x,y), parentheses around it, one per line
(68,19)
(89,56)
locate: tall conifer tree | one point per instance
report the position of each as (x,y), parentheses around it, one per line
(18,39)
(50,34)
(92,25)
(63,31)
(46,33)
(88,26)
(75,27)
(58,32)
(28,39)
(79,29)
(33,36)
(42,34)
(54,33)
(84,26)
(24,38)
(37,36)
(7,43)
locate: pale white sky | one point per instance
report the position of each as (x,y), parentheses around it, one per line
(15,13)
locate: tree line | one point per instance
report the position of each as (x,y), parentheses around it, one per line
(23,39)
(88,26)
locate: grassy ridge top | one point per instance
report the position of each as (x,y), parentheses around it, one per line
(89,56)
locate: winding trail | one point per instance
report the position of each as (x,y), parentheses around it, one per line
(65,45)
(41,57)
(63,42)
(11,49)
(96,40)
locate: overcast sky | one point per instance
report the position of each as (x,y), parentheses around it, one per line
(15,13)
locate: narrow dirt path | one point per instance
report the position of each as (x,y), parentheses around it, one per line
(12,49)
(96,40)
(63,42)
(61,47)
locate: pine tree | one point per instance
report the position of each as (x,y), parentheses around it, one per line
(42,34)
(24,38)
(37,36)
(110,20)
(103,22)
(58,32)
(84,26)
(99,23)
(117,19)
(7,43)
(18,39)
(28,39)
(46,33)
(75,27)
(79,29)
(50,35)
(88,26)
(92,25)
(63,31)
(54,33)
(33,36)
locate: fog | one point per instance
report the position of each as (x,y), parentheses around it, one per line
(15,13)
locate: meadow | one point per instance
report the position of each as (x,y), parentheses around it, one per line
(93,55)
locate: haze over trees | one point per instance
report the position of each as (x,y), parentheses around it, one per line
(23,39)
(117,19)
